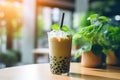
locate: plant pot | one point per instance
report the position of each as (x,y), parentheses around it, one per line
(111,58)
(88,59)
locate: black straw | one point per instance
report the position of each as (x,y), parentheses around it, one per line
(62,20)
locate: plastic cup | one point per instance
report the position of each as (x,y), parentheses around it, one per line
(59,51)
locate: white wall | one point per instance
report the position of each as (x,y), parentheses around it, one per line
(28,30)
(81,8)
(81,5)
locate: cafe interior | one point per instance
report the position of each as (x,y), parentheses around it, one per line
(24,25)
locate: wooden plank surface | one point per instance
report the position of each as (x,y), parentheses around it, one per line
(42,72)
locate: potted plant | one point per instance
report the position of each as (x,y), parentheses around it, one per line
(112,46)
(92,38)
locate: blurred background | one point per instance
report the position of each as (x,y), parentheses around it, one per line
(24,25)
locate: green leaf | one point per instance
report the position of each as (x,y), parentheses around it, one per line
(55,27)
(76,36)
(78,53)
(105,51)
(86,47)
(93,16)
(65,28)
(103,18)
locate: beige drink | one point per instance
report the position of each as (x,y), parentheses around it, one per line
(60,53)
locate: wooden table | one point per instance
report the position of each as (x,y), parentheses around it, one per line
(42,72)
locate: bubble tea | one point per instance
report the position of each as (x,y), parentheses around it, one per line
(59,51)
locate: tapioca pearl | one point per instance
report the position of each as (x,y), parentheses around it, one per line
(65,57)
(56,68)
(55,64)
(53,69)
(57,71)
(60,61)
(60,57)
(60,69)
(58,64)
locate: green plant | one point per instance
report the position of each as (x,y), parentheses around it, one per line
(9,58)
(112,40)
(56,27)
(99,6)
(92,36)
